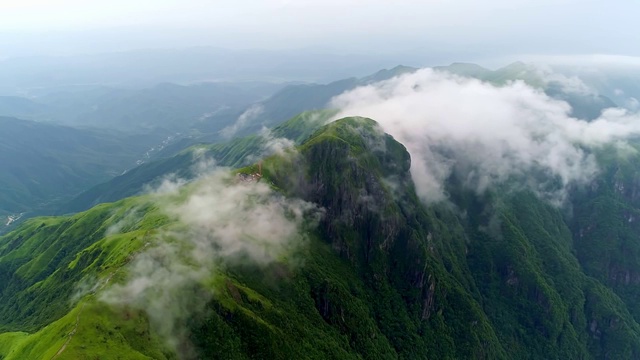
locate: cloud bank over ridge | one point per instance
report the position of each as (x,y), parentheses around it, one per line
(485,134)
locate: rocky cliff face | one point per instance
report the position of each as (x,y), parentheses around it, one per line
(606,225)
(491,269)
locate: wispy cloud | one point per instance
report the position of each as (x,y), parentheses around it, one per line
(217,221)
(243,120)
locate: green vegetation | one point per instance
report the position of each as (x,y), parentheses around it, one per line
(43,163)
(495,276)
(234,153)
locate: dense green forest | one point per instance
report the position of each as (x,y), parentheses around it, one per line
(372,272)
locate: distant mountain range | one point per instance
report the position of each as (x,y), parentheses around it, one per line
(144,68)
(44,163)
(166,106)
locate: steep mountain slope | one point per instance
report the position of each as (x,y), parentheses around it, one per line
(605,227)
(377,275)
(42,163)
(233,153)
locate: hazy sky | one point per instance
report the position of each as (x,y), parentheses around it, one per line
(489,27)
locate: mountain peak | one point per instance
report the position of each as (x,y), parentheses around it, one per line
(364,141)
(386,74)
(465,69)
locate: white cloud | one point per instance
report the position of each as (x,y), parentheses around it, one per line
(218,221)
(244,119)
(483,133)
(274,145)
(568,84)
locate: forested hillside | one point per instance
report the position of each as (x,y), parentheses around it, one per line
(365,270)
(44,163)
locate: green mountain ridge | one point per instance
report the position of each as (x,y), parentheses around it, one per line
(497,275)
(233,153)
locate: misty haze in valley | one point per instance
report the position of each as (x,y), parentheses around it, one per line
(319,180)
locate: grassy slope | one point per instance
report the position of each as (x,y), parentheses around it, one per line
(45,256)
(233,153)
(88,331)
(386,279)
